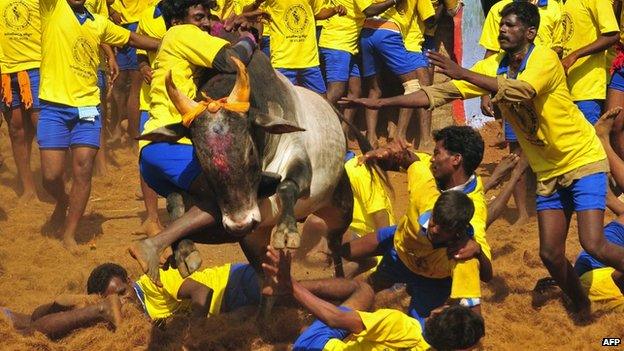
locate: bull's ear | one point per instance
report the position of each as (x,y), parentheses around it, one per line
(169,133)
(268,184)
(275,125)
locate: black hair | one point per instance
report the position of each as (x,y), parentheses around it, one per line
(456,327)
(463,140)
(178,9)
(526,12)
(453,211)
(101,275)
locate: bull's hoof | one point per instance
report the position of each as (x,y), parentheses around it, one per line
(293,240)
(278,240)
(187,258)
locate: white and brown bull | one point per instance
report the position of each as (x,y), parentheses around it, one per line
(258,122)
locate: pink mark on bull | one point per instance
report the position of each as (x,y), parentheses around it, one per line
(220,146)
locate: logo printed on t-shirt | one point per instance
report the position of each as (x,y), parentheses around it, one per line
(567,26)
(85,57)
(296,19)
(16,15)
(526,117)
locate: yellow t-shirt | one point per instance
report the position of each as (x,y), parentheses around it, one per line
(180,54)
(20,35)
(162,302)
(293,33)
(130,10)
(549,33)
(342,32)
(369,196)
(417,252)
(152,24)
(403,14)
(97,6)
(227,8)
(386,330)
(602,291)
(551,130)
(583,22)
(416,30)
(70,53)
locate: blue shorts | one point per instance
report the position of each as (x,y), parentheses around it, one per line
(617,80)
(310,78)
(16,101)
(382,46)
(126,56)
(243,288)
(59,127)
(265,45)
(614,233)
(318,334)
(510,135)
(592,109)
(587,193)
(339,65)
(426,294)
(169,167)
(143,117)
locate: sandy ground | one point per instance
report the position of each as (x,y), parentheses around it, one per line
(34,269)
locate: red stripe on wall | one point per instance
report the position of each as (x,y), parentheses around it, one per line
(459,113)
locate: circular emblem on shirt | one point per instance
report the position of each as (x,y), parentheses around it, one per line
(567,27)
(16,15)
(84,53)
(296,19)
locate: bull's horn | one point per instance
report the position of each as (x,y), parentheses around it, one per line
(240,93)
(181,102)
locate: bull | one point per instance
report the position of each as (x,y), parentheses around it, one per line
(257,123)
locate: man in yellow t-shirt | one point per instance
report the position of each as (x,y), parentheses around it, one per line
(383,41)
(69,96)
(20,39)
(590,28)
(210,291)
(350,327)
(560,145)
(294,51)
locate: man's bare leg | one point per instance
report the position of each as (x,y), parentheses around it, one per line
(615,98)
(425,141)
(496,206)
(553,231)
(133,106)
(505,165)
(52,169)
(21,132)
(58,324)
(374,92)
(354,91)
(520,191)
(151,225)
(82,171)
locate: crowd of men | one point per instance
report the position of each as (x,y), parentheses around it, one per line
(553,71)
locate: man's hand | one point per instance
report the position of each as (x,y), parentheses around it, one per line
(340,10)
(464,251)
(446,65)
(373,104)
(146,72)
(115,16)
(113,69)
(396,152)
(569,61)
(486,106)
(278,280)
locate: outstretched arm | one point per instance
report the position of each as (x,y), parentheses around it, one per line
(603,42)
(143,42)
(278,267)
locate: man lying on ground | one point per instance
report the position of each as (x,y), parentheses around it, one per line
(349,326)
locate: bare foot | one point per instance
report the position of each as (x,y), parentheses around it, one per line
(146,254)
(54,223)
(28,197)
(504,167)
(605,123)
(70,244)
(522,220)
(151,228)
(111,309)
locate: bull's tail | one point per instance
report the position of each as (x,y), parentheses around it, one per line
(365,147)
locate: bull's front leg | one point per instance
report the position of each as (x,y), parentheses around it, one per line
(286,234)
(296,184)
